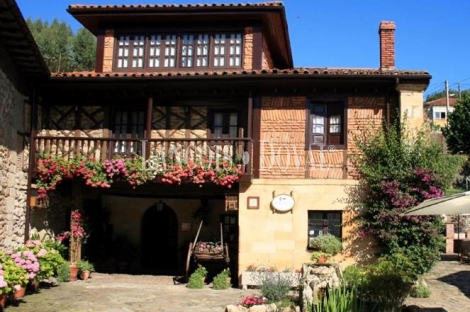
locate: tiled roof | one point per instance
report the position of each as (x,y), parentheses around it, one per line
(173,6)
(18,42)
(298,72)
(441,102)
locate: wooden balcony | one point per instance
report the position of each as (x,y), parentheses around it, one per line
(237,150)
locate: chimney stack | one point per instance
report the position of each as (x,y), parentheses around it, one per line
(387,45)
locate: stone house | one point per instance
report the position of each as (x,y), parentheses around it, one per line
(21,65)
(217,82)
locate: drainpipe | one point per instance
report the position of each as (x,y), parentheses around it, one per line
(31,161)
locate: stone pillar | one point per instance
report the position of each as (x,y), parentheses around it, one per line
(449,238)
(411,104)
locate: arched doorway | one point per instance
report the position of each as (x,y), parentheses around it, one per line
(159,239)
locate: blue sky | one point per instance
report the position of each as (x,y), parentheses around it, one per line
(431,35)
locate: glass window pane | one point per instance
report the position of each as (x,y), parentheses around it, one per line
(218,119)
(318,139)
(335,129)
(318,129)
(233,119)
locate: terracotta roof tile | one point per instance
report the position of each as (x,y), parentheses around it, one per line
(265,72)
(441,102)
(172,6)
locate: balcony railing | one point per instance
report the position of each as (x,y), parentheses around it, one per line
(237,150)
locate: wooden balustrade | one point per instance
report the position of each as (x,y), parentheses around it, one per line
(236,150)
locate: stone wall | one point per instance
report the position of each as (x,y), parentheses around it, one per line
(13,179)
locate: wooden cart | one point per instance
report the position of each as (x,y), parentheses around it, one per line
(198,257)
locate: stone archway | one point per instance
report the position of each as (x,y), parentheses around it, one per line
(159,239)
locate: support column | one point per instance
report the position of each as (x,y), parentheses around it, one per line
(411,104)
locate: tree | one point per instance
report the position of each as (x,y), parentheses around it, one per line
(457,130)
(60,48)
(442,94)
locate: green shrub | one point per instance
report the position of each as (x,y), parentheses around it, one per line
(327,243)
(196,280)
(341,299)
(274,286)
(63,272)
(84,265)
(222,280)
(420,290)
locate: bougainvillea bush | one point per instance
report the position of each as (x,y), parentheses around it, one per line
(397,170)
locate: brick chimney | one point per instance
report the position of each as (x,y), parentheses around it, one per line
(387,45)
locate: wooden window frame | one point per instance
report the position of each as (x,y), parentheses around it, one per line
(332,108)
(179,48)
(225,122)
(325,223)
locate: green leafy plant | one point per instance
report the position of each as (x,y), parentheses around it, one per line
(196,279)
(340,299)
(316,255)
(49,259)
(63,272)
(275,286)
(327,243)
(420,290)
(13,275)
(222,280)
(84,266)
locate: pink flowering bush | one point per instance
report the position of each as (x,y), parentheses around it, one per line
(249,301)
(26,260)
(49,259)
(12,274)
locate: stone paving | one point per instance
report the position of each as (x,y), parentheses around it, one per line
(449,282)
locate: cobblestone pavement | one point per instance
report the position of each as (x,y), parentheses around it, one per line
(449,282)
(123,293)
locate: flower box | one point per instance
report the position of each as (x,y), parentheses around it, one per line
(256,278)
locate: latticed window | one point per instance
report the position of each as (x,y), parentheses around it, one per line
(202,50)
(179,50)
(155,47)
(225,124)
(326,124)
(324,222)
(235,50)
(170,51)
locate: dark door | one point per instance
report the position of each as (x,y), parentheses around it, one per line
(159,240)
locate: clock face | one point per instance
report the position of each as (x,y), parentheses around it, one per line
(283,202)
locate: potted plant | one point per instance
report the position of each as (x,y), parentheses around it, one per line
(196,280)
(14,275)
(320,257)
(222,280)
(84,269)
(327,244)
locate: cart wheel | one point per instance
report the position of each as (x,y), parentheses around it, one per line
(188,259)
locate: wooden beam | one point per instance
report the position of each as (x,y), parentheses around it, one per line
(256,133)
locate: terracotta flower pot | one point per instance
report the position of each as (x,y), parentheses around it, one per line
(19,293)
(322,259)
(85,275)
(34,285)
(73,272)
(3,301)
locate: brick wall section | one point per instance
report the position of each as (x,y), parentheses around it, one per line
(282,137)
(283,126)
(248,51)
(108,50)
(387,45)
(267,59)
(13,179)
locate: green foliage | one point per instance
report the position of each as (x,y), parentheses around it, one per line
(63,272)
(274,286)
(420,290)
(398,169)
(221,280)
(318,254)
(196,280)
(60,48)
(327,243)
(84,265)
(13,275)
(341,299)
(457,130)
